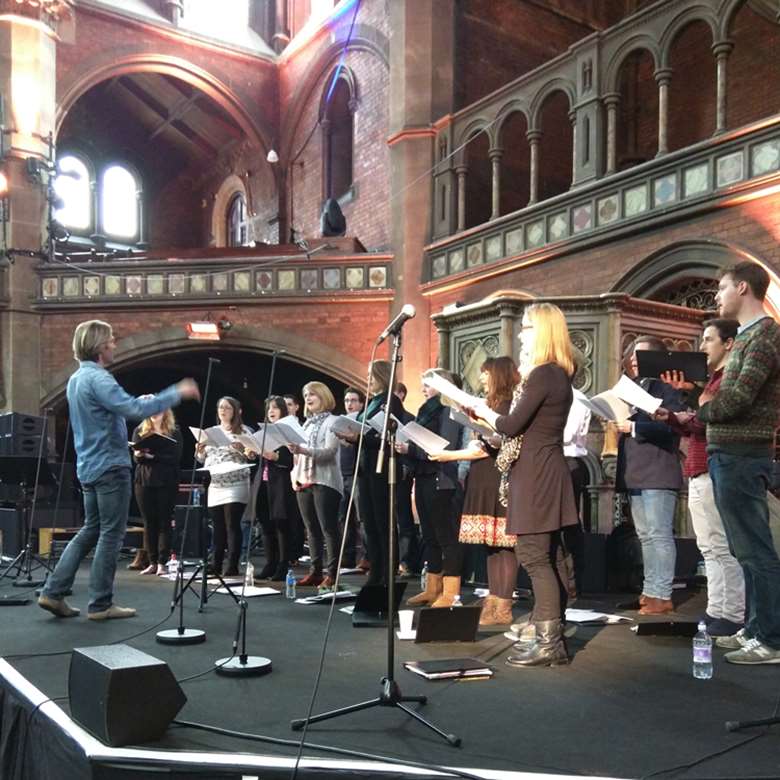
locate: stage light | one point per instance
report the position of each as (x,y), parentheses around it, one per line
(272,156)
(3,185)
(205,330)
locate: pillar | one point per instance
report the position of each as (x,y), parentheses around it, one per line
(534,136)
(721,51)
(663,78)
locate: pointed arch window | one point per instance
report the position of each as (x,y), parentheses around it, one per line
(237,232)
(120,203)
(73,185)
(338,134)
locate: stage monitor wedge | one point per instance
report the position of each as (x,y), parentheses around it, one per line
(121,695)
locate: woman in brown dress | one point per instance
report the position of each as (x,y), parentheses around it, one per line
(540,497)
(484,518)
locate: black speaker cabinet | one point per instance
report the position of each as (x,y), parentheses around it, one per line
(121,695)
(194,538)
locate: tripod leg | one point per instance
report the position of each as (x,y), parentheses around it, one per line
(451,738)
(298,723)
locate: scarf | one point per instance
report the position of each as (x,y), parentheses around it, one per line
(429,412)
(374,405)
(509,452)
(311,429)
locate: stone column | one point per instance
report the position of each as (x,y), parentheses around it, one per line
(721,51)
(534,136)
(421,92)
(495,163)
(506,333)
(461,171)
(28,84)
(573,120)
(326,157)
(443,359)
(663,78)
(612,101)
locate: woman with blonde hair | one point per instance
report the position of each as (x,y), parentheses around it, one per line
(536,484)
(316,478)
(157,483)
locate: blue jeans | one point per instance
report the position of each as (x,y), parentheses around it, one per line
(106,506)
(653,513)
(740,484)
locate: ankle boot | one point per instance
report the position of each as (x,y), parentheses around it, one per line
(271,549)
(141,560)
(486,617)
(433,589)
(451,589)
(501,614)
(549,649)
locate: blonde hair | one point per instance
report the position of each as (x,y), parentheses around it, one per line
(551,338)
(167,426)
(322,392)
(381,370)
(89,337)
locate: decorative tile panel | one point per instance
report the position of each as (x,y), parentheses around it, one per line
(377,276)
(665,189)
(155,284)
(457,261)
(177,284)
(134,285)
(242,281)
(696,180)
(534,234)
(607,209)
(558,226)
(219,283)
(439,266)
(765,157)
(635,200)
(582,217)
(730,169)
(514,241)
(50,287)
(355,278)
(112,285)
(492,248)
(199,283)
(473,255)
(331,279)
(285,280)
(309,279)
(91,286)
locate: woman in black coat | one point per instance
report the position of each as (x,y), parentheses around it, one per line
(536,479)
(277,507)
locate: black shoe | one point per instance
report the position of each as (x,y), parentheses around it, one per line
(267,571)
(723,627)
(280,575)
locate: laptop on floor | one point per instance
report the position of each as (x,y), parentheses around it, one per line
(371,605)
(448,624)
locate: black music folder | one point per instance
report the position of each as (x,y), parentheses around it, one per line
(447,624)
(654,362)
(449,668)
(155,443)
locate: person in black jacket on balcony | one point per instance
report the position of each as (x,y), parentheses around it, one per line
(436,485)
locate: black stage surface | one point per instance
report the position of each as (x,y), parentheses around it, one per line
(627,706)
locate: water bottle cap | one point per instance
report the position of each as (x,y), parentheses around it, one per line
(702,626)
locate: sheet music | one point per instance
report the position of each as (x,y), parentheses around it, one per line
(426,440)
(378,421)
(287,433)
(447,389)
(605,405)
(214,436)
(346,425)
(225,468)
(480,426)
(630,392)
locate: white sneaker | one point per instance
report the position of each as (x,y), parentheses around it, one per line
(112,613)
(734,642)
(754,652)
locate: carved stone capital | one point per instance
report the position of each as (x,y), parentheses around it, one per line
(49,12)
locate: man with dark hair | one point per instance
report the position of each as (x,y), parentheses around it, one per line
(741,419)
(354,401)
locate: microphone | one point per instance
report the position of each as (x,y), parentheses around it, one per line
(406,313)
(215,360)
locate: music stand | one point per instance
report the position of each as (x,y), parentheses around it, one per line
(27,473)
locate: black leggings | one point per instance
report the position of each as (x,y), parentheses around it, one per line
(543,557)
(226,519)
(439,523)
(319,505)
(156,505)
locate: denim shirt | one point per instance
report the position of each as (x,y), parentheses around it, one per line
(98,408)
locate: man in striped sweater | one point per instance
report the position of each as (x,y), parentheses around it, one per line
(741,421)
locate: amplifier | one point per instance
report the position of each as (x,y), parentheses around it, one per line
(16,424)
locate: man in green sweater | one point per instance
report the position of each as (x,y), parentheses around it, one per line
(741,421)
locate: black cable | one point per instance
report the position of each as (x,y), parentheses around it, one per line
(212,668)
(328,749)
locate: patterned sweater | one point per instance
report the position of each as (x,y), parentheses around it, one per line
(743,416)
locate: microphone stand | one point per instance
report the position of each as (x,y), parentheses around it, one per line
(390,694)
(181,635)
(240,664)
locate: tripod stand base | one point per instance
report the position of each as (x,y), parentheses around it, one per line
(187,636)
(27,583)
(243,666)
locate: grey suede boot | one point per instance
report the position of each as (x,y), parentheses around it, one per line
(549,649)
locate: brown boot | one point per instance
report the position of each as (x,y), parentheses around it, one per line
(488,611)
(501,615)
(141,560)
(451,589)
(433,589)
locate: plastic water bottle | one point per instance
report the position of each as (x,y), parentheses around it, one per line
(424,576)
(173,564)
(456,602)
(289,584)
(249,575)
(702,654)
(196,496)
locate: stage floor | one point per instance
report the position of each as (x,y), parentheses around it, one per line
(627,706)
